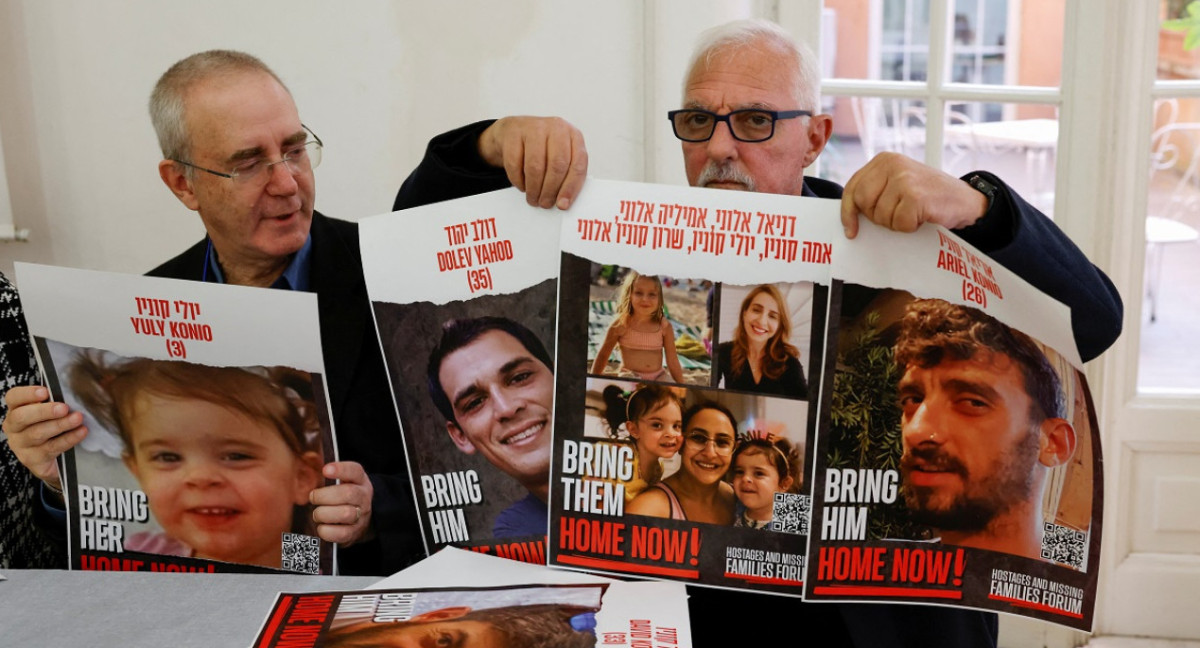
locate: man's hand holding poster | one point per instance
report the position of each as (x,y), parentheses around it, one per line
(207,428)
(467,325)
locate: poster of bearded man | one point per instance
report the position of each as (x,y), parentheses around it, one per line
(958,456)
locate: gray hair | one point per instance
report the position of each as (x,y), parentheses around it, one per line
(167,98)
(757,32)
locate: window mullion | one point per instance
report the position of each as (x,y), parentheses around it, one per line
(1182,88)
(870,88)
(908,47)
(875,40)
(959,92)
(935,106)
(1000,93)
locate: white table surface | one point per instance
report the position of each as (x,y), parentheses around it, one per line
(40,607)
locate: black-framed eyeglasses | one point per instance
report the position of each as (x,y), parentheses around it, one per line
(300,158)
(746,125)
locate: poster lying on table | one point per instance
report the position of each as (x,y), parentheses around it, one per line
(958,462)
(523,611)
(207,420)
(435,595)
(690,332)
(463,294)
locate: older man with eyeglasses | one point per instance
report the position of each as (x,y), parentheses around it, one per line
(747,124)
(235,151)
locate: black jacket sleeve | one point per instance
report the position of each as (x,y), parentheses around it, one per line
(1025,241)
(451,169)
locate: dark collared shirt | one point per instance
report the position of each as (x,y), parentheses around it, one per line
(294,277)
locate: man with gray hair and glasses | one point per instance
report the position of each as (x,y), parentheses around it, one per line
(236,152)
(750,121)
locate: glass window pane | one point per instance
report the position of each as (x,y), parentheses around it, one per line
(981,42)
(965,68)
(991,68)
(895,17)
(1170,345)
(1020,149)
(918,25)
(991,41)
(1007,42)
(916,70)
(995,23)
(892,67)
(966,22)
(871,125)
(1017,142)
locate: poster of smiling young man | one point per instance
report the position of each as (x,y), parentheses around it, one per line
(206,433)
(958,461)
(467,329)
(681,453)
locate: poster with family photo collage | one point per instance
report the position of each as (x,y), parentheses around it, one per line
(692,323)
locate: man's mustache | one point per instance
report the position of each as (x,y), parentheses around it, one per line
(724,172)
(931,458)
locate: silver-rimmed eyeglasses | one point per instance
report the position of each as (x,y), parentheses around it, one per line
(299,158)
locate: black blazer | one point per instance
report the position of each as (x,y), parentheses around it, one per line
(363,413)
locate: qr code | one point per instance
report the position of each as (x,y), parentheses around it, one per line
(1064,545)
(301,553)
(791,513)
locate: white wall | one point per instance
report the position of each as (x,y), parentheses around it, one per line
(375,79)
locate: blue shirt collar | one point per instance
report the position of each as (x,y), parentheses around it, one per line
(295,275)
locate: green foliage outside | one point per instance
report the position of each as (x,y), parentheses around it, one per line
(1188,21)
(865,425)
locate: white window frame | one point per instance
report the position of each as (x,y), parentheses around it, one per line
(936,91)
(976,50)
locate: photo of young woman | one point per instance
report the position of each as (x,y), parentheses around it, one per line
(698,492)
(764,335)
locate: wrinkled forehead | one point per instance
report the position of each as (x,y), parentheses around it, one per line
(239,108)
(757,74)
